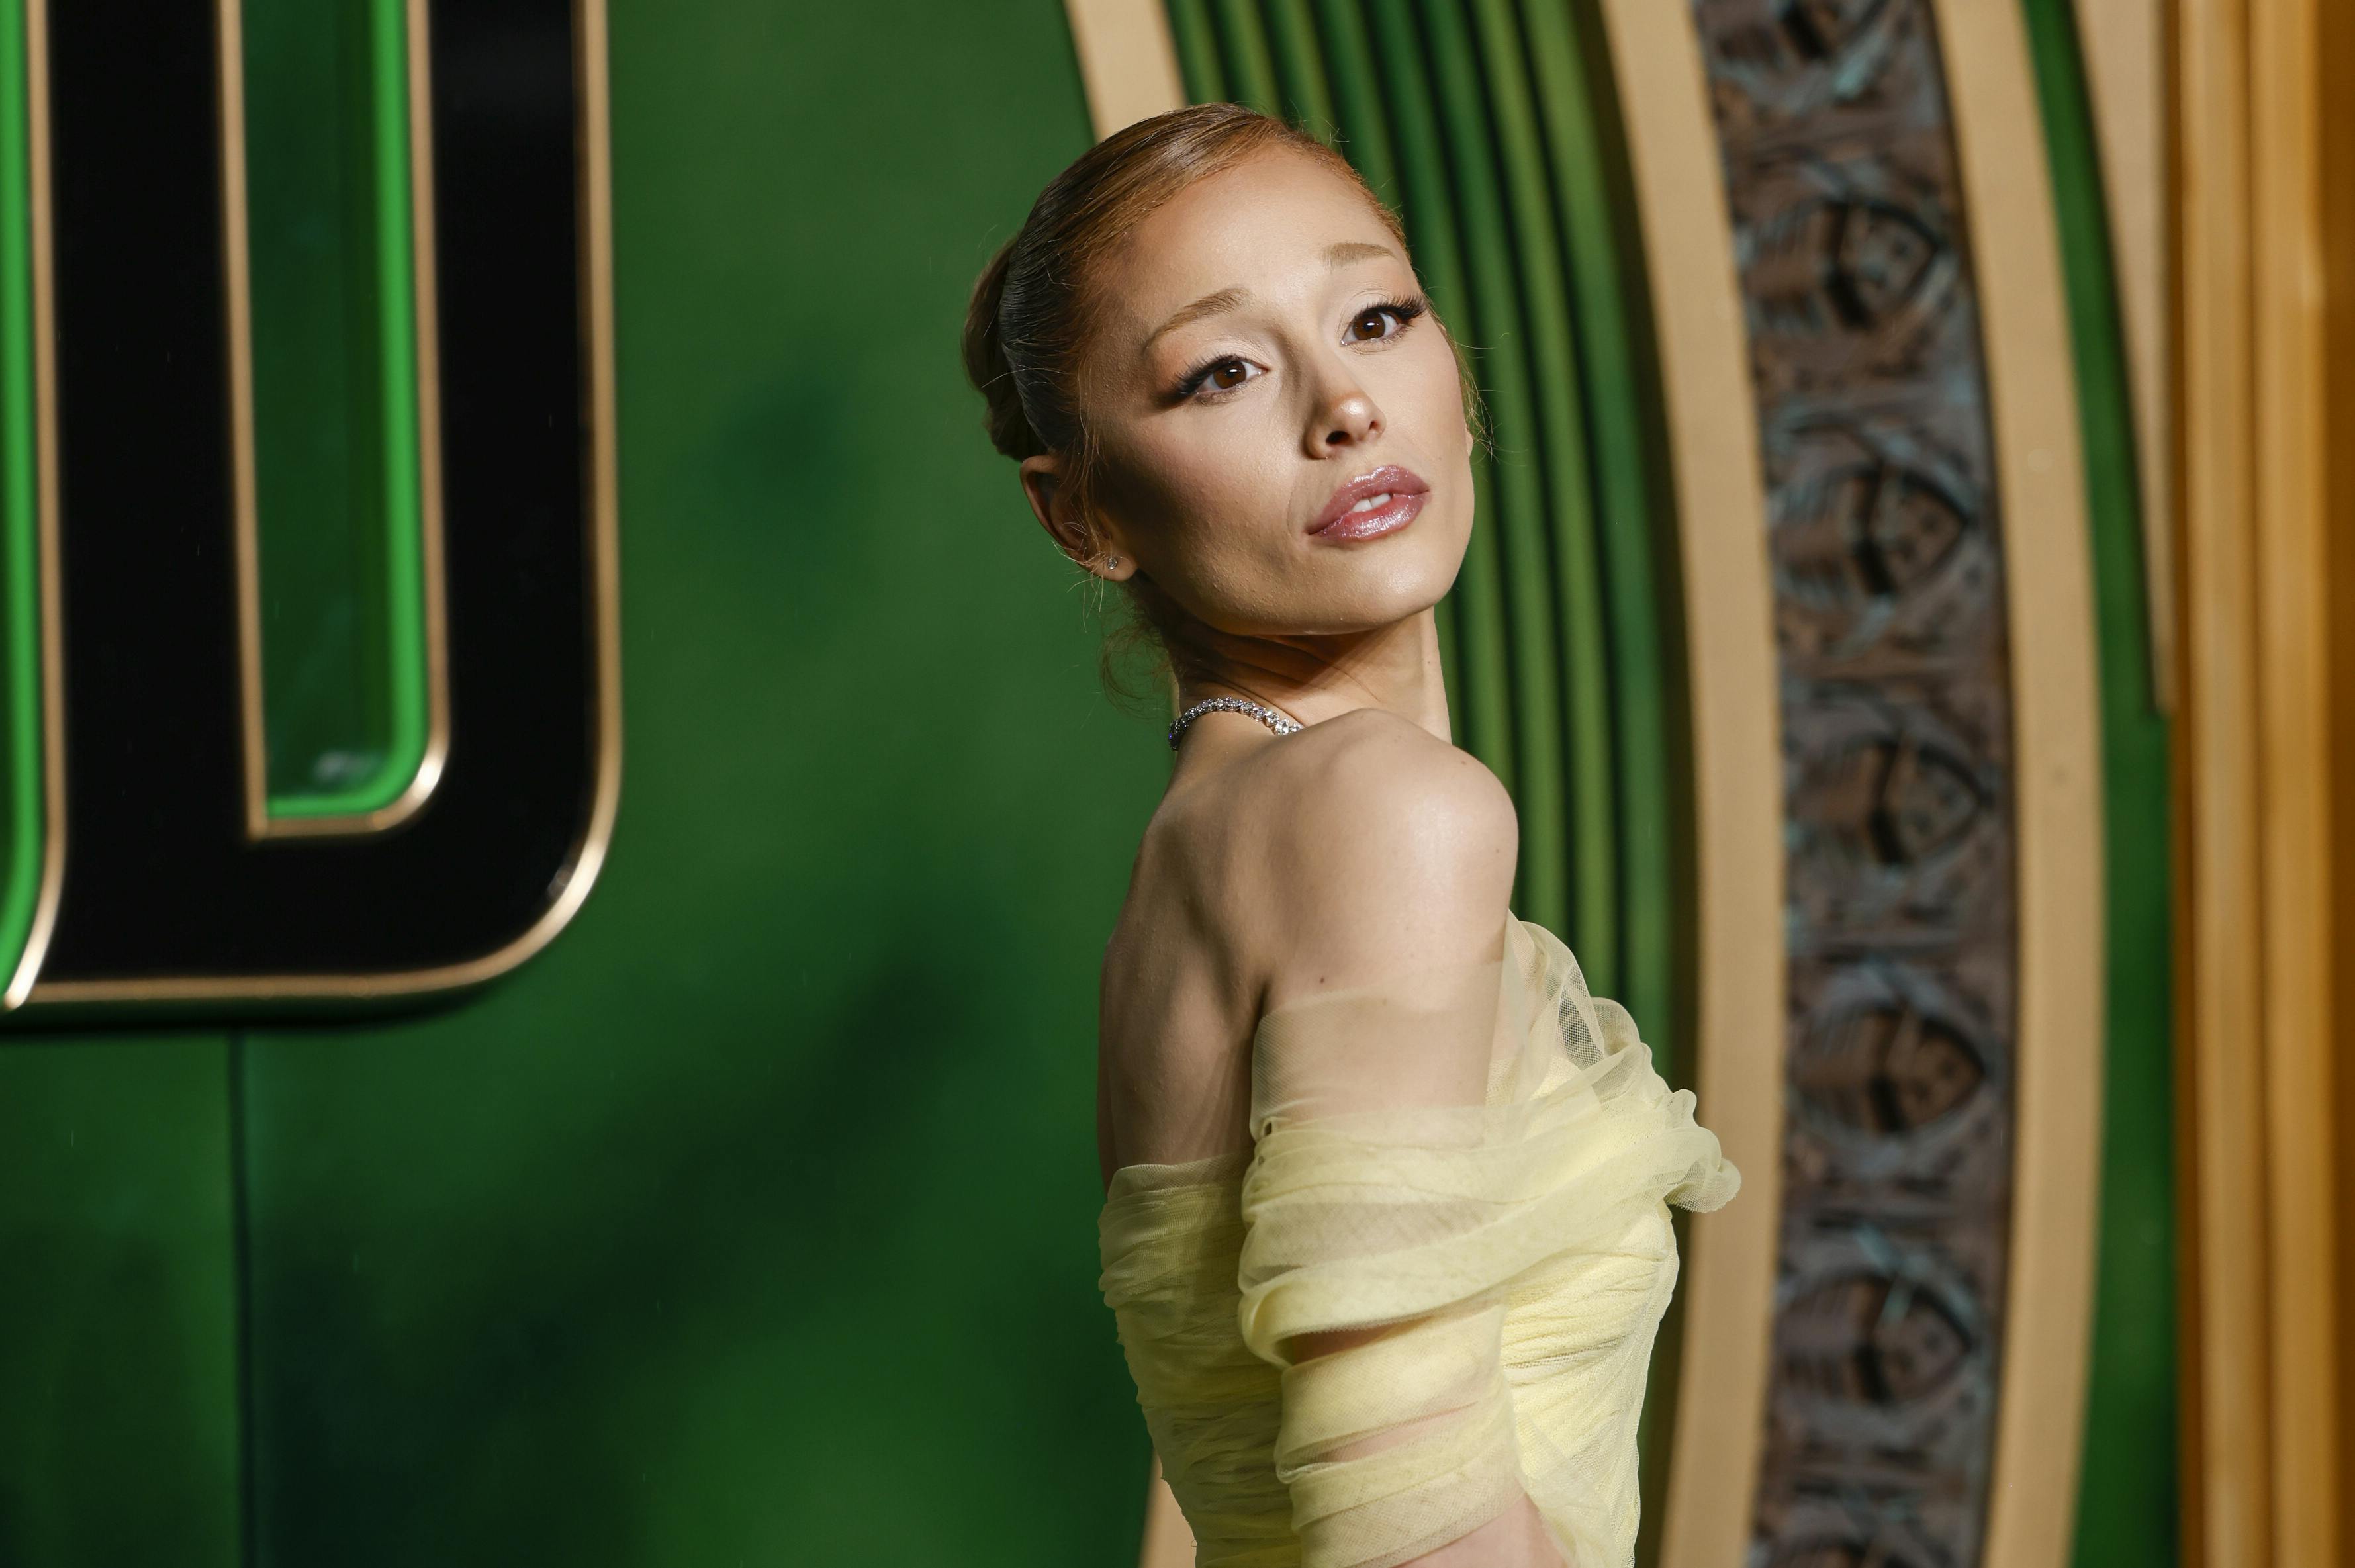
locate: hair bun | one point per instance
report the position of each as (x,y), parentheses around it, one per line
(987,366)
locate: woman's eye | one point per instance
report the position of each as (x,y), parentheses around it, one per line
(1222,376)
(1381,321)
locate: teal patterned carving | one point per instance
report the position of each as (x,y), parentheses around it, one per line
(1487,126)
(1885,538)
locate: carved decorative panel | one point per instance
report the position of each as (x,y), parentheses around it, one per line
(1886,554)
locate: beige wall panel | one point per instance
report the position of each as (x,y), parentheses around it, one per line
(1729,1281)
(2293,556)
(2040,470)
(1127,61)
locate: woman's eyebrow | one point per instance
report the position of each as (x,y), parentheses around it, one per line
(1337,255)
(1208,305)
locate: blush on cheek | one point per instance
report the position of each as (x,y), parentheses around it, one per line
(1232,490)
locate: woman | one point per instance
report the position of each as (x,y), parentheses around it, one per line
(1386,1234)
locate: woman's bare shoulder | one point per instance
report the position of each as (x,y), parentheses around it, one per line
(1385,847)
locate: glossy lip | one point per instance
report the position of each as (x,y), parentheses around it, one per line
(1406,490)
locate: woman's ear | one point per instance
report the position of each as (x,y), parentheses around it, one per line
(1042,486)
(1051,502)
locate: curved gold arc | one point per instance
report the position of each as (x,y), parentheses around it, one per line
(2049,599)
(246,517)
(604,625)
(45,458)
(1728,1279)
(1128,62)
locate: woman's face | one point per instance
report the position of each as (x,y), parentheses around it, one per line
(1264,371)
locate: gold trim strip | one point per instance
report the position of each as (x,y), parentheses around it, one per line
(2124,44)
(45,442)
(604,615)
(1729,1281)
(258,822)
(2287,531)
(1128,61)
(2265,1427)
(2228,1469)
(2049,598)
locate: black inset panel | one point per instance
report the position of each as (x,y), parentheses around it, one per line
(161,879)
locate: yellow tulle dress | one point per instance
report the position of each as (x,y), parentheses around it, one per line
(1477,1166)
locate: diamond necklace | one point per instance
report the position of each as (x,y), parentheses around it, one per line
(1283,723)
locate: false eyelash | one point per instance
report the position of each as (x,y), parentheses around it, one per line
(1192,382)
(1406,310)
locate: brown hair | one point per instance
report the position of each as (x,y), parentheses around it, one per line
(1032,310)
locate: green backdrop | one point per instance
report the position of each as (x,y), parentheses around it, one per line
(753,1221)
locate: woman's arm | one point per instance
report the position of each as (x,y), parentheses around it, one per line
(1514,1537)
(1168,1543)
(1402,852)
(1517,1538)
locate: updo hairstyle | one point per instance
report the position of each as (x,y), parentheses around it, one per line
(1033,307)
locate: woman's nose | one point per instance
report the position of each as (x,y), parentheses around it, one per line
(1346,417)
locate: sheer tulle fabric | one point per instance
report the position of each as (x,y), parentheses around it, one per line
(1476,1167)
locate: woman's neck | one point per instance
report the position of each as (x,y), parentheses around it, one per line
(1395,667)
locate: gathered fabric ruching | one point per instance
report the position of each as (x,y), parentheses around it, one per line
(1465,1178)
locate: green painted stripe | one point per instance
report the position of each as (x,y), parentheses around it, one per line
(1424,185)
(1570,64)
(1363,134)
(2124,1509)
(1300,66)
(1358,95)
(1355,98)
(1554,505)
(1578,317)
(1410,91)
(1197,50)
(20,680)
(1250,63)
(1560,446)
(1633,519)
(1520,514)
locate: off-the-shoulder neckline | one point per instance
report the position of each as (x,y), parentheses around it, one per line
(1310,1000)
(1240,1158)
